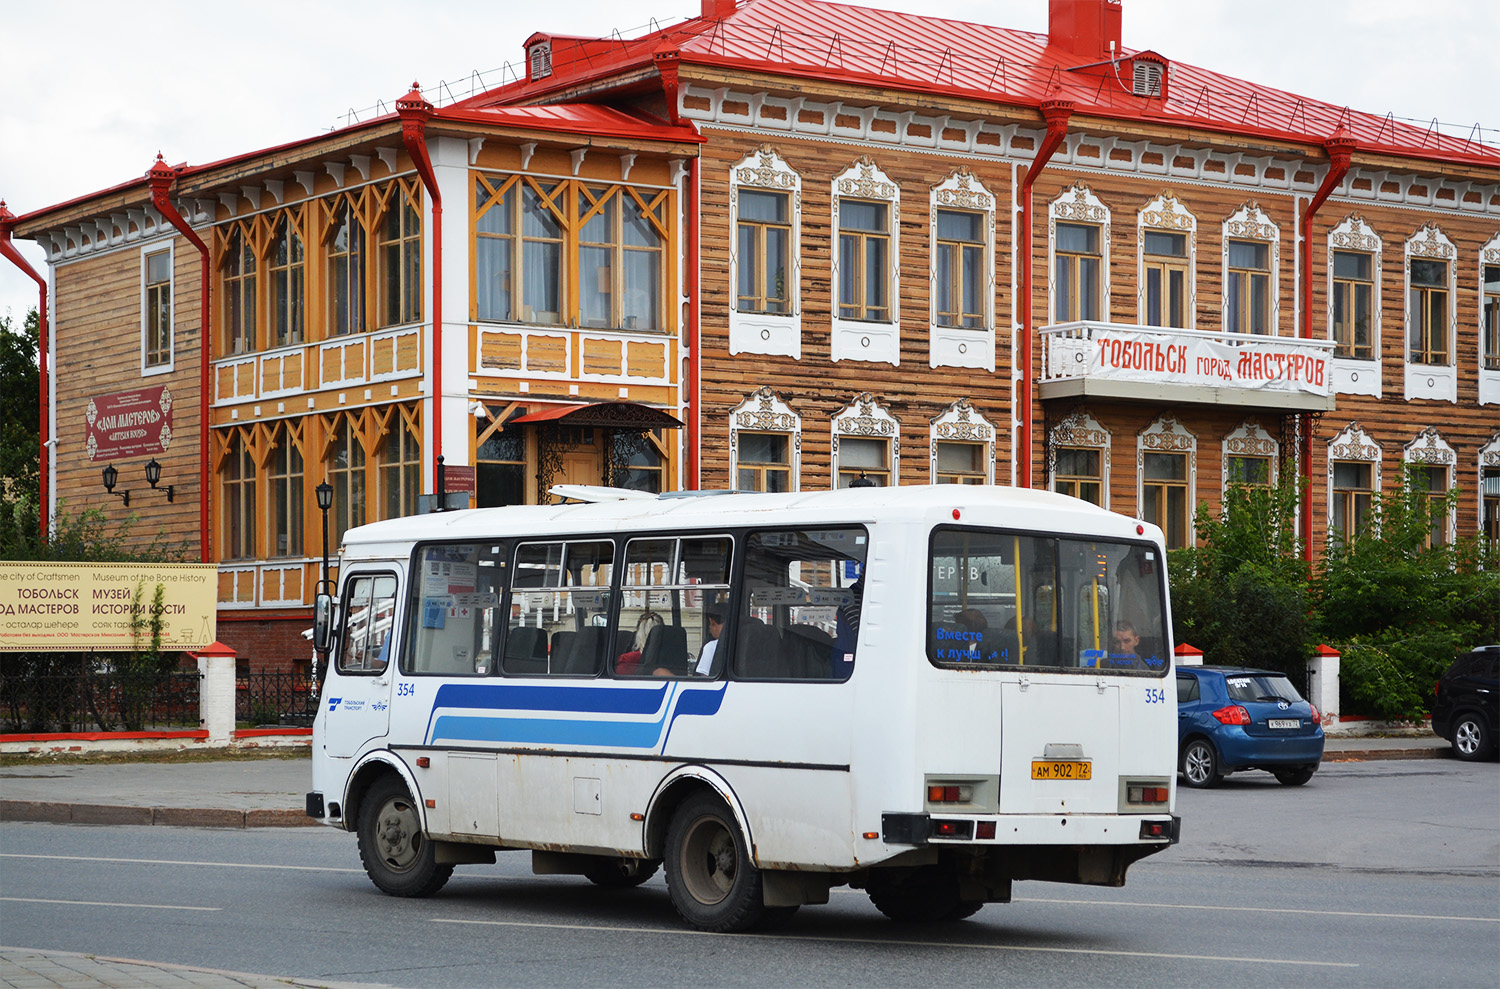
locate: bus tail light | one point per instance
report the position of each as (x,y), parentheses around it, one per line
(1147,794)
(950,794)
(952,829)
(1156,829)
(1232,715)
(984,830)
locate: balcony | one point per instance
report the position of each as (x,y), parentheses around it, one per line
(1170,366)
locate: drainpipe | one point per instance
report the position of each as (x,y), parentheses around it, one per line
(415,111)
(1056,114)
(666,66)
(1340,147)
(160,179)
(8,250)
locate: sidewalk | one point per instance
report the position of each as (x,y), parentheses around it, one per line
(25,968)
(271,792)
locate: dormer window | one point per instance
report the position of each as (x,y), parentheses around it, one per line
(539,59)
(1146,78)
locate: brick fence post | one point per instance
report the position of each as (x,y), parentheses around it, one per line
(216,692)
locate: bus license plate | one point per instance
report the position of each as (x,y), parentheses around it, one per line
(1053,770)
(1284,723)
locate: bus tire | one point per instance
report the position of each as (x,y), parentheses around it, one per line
(710,878)
(396,854)
(621,873)
(921,896)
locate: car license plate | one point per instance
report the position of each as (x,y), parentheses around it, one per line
(1284,723)
(1054,770)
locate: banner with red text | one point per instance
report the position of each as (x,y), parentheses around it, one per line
(1169,358)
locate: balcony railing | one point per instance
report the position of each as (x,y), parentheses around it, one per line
(1162,364)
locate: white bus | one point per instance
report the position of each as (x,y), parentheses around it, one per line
(924,692)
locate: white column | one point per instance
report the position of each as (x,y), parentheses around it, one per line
(216,696)
(1323,685)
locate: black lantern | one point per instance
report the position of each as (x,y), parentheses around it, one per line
(153,475)
(111,476)
(862,481)
(324,491)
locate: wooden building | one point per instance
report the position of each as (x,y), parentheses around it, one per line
(829,243)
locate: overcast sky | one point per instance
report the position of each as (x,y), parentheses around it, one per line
(97,87)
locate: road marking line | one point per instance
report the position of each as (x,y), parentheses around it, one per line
(1292,910)
(609,929)
(98,903)
(211,865)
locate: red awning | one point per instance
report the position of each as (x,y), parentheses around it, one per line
(608,415)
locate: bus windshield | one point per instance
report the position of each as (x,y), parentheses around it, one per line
(999,599)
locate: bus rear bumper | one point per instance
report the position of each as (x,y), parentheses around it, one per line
(1030,829)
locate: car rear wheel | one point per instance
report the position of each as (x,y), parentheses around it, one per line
(1200,764)
(1471,738)
(1295,777)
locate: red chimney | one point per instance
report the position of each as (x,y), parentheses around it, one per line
(1084,27)
(717,10)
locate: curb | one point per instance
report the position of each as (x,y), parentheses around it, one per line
(1370,755)
(46,812)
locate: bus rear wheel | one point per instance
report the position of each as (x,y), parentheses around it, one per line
(710,878)
(396,854)
(921,896)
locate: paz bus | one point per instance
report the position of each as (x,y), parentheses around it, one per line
(927,693)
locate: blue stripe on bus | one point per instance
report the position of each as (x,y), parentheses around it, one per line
(548,731)
(696,701)
(518,697)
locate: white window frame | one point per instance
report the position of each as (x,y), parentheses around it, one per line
(1356,376)
(160,247)
(1249,439)
(1437,382)
(957,346)
(1250,223)
(1081,431)
(1489,381)
(962,423)
(763,411)
(1489,456)
(865,418)
(857,339)
(1429,449)
(1167,215)
(1078,204)
(1166,435)
(777,334)
(1352,445)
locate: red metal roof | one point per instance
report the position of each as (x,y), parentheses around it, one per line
(574,118)
(918,53)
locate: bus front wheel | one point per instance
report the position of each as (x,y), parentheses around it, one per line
(396,854)
(710,878)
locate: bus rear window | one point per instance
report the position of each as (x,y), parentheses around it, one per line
(1001,599)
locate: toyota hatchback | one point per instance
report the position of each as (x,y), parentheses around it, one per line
(1231,719)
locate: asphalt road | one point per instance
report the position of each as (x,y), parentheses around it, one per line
(1374,874)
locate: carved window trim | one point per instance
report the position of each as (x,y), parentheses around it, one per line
(1167,214)
(1429,449)
(962,423)
(1430,243)
(865,418)
(1489,379)
(1489,456)
(1250,223)
(1166,435)
(766,333)
(1078,204)
(763,411)
(1358,375)
(1352,445)
(1250,439)
(1079,430)
(854,339)
(957,346)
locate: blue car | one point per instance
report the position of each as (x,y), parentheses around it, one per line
(1230,719)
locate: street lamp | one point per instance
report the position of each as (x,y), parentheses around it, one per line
(153,474)
(111,476)
(324,492)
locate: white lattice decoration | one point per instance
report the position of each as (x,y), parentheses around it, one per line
(765,412)
(962,423)
(957,346)
(759,332)
(1429,449)
(1489,378)
(866,418)
(1353,444)
(1250,223)
(1081,431)
(1077,204)
(1250,439)
(866,340)
(1432,381)
(1166,435)
(1357,376)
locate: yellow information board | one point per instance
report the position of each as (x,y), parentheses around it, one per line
(66,607)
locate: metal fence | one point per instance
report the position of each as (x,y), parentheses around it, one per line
(98,700)
(275,699)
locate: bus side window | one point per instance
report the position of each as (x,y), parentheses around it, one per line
(455,595)
(674,596)
(370,609)
(801,604)
(559,601)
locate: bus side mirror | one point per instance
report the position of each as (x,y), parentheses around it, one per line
(322,622)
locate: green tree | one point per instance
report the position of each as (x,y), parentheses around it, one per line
(1398,609)
(1241,594)
(20,406)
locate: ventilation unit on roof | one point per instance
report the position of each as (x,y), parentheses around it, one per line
(539,57)
(1146,80)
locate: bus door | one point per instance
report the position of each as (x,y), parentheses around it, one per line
(357,702)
